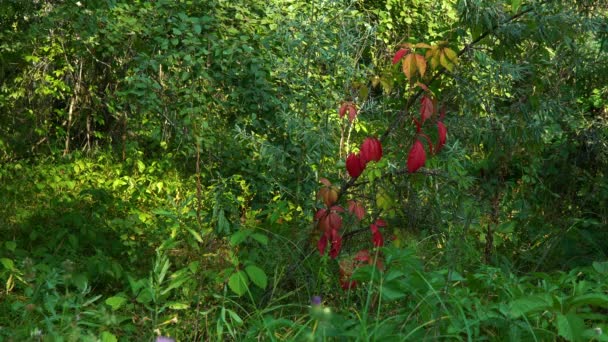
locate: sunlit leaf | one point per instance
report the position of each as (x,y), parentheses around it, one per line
(409,66)
(445,63)
(451,55)
(399,54)
(421,64)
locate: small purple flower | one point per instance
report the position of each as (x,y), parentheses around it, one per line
(316,300)
(164,339)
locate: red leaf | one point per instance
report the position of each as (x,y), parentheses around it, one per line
(328,220)
(347,267)
(442,133)
(426,109)
(423,86)
(354,165)
(356,209)
(325,181)
(320,213)
(343,109)
(337,208)
(416,158)
(350,107)
(336,244)
(428,140)
(371,149)
(328,194)
(374,227)
(363,256)
(380,223)
(322,244)
(334,221)
(346,284)
(399,54)
(377,239)
(352,113)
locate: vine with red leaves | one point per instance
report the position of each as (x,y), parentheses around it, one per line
(414,66)
(329,219)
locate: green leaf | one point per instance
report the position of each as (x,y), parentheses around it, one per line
(108,337)
(239,236)
(596,299)
(261,238)
(570,326)
(116,302)
(235,317)
(238,283)
(523,306)
(515,6)
(11,245)
(178,306)
(392,290)
(195,234)
(601,267)
(257,275)
(7,263)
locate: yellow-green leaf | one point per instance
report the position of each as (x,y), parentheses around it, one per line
(420,64)
(116,302)
(435,60)
(422,45)
(444,61)
(451,55)
(409,66)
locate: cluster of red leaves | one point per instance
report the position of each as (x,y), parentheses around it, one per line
(348,266)
(371,150)
(350,108)
(417,156)
(329,219)
(329,222)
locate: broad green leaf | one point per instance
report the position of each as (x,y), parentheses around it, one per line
(239,236)
(11,245)
(144,297)
(108,337)
(596,299)
(392,290)
(526,305)
(601,267)
(116,302)
(515,6)
(261,238)
(570,326)
(238,283)
(7,263)
(257,275)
